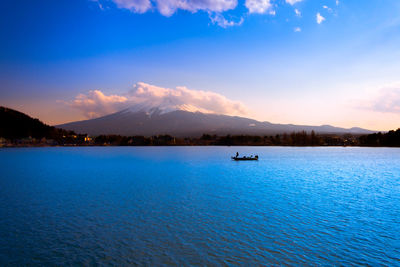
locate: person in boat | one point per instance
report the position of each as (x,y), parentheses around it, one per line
(237,154)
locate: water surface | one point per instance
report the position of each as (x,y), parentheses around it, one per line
(193,205)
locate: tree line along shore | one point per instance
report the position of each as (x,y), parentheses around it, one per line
(19,130)
(390,139)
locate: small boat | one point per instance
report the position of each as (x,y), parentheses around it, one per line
(245,158)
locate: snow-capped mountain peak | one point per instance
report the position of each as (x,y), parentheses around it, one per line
(162,108)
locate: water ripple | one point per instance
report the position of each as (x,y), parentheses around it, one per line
(193,206)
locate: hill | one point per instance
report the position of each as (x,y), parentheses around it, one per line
(16,125)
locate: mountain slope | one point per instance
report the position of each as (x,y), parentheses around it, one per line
(183,123)
(15,124)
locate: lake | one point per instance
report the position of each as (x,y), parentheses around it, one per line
(195,206)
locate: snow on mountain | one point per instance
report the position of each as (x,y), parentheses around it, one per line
(151,108)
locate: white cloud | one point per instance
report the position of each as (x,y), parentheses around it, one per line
(221,21)
(145,96)
(319,18)
(258,6)
(297,29)
(328,8)
(95,103)
(214,8)
(169,7)
(137,6)
(337,2)
(292,2)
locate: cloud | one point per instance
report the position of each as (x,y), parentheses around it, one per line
(214,8)
(297,29)
(337,2)
(137,6)
(330,10)
(95,103)
(292,2)
(221,21)
(319,18)
(146,96)
(258,6)
(169,7)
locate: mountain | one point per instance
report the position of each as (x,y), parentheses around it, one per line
(15,124)
(140,120)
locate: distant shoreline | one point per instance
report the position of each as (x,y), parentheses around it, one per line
(295,139)
(71,146)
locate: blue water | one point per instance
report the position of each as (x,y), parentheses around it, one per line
(194,206)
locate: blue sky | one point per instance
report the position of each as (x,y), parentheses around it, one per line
(284,67)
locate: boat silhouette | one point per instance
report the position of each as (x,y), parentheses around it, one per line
(237,158)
